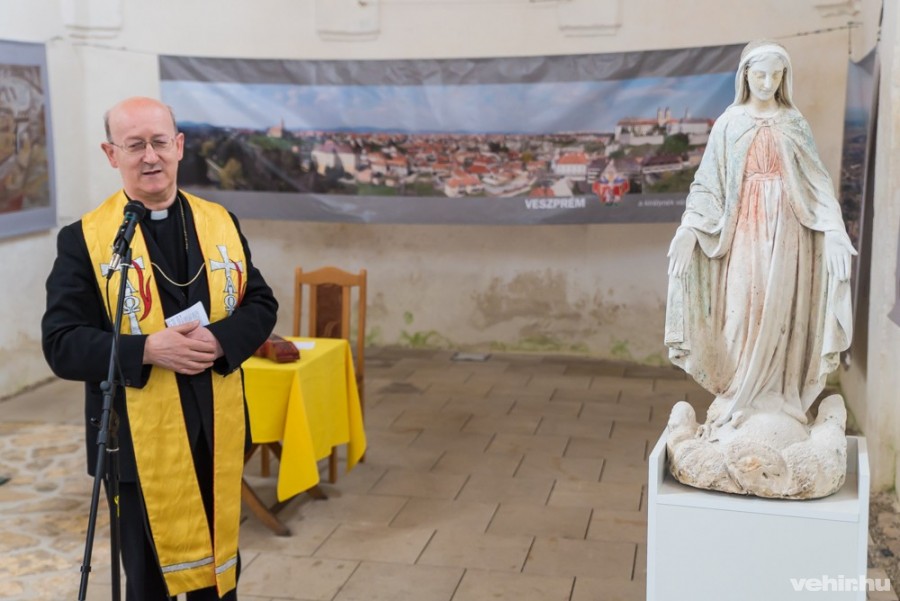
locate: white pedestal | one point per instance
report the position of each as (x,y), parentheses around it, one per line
(710,546)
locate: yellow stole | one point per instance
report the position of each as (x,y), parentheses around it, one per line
(189,557)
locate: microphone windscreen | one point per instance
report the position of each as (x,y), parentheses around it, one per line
(135,208)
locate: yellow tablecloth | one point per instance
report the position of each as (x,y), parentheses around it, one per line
(309,406)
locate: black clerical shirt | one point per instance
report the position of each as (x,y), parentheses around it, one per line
(176,259)
(168,236)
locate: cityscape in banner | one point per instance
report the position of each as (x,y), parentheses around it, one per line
(611,143)
(858,130)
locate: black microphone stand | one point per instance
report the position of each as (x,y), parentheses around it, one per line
(108,442)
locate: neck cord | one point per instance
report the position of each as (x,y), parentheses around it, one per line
(184,231)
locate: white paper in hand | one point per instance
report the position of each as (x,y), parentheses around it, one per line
(195,312)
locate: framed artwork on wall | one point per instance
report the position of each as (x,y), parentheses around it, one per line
(27,191)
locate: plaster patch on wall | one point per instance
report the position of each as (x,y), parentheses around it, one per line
(568,334)
(536,294)
(558,311)
(376,307)
(605,312)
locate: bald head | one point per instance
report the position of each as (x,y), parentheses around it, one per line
(130,106)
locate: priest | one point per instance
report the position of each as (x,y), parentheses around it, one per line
(183,420)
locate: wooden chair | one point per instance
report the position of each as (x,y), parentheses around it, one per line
(329,314)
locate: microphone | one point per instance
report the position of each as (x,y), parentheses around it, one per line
(134,212)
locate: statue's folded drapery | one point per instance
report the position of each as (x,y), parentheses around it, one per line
(757,314)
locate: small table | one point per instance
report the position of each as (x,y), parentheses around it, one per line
(301,410)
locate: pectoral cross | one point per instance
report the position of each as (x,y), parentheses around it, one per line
(228,265)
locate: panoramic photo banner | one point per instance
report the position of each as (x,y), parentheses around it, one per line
(856,183)
(600,138)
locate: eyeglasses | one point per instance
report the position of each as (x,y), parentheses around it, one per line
(140,146)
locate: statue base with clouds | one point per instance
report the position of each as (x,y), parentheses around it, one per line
(760,452)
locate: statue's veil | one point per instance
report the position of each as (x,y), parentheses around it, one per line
(753,52)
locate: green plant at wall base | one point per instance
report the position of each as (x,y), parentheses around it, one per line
(540,344)
(373,337)
(619,350)
(429,339)
(422,338)
(655,359)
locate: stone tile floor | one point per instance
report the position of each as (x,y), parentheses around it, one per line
(521,478)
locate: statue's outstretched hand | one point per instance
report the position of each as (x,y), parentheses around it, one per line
(838,250)
(680,251)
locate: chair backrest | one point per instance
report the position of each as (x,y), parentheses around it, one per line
(329,308)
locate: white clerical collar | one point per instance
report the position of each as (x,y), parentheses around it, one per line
(159,215)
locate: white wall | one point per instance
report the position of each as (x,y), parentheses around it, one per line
(597,289)
(872,389)
(25,260)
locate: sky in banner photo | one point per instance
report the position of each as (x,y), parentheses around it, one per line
(595,150)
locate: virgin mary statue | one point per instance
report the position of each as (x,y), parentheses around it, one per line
(758,306)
